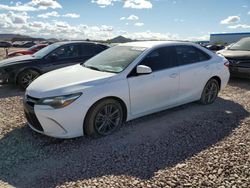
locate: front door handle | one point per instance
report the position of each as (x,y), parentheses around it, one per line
(173,75)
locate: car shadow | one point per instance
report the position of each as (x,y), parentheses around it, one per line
(138,149)
(7,90)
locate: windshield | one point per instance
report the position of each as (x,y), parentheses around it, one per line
(45,51)
(114,59)
(243,44)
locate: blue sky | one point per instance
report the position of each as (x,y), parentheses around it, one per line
(140,19)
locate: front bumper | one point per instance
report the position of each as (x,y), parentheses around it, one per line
(236,71)
(4,77)
(60,123)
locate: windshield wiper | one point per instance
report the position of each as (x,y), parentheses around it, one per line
(93,68)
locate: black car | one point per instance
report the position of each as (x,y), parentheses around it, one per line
(22,70)
(238,56)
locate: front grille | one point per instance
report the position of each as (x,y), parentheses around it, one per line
(29,104)
(31,100)
(32,119)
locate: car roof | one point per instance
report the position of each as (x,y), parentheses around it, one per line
(150,44)
(74,42)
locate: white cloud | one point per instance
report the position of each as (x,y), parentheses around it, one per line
(131,17)
(248,13)
(138,4)
(148,35)
(230,20)
(44,4)
(239,26)
(103,3)
(139,24)
(71,15)
(49,14)
(33,5)
(56,14)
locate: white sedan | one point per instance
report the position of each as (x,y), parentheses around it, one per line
(120,84)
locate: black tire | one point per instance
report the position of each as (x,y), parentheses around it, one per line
(210,92)
(26,77)
(100,121)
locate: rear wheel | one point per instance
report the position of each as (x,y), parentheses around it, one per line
(104,118)
(210,92)
(26,77)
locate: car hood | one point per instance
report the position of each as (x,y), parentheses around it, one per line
(15,60)
(66,81)
(20,51)
(235,54)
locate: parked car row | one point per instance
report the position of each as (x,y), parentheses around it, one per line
(124,82)
(28,51)
(103,87)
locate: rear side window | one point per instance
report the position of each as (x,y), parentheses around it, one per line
(189,54)
(91,49)
(160,59)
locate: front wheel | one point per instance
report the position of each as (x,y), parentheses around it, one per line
(210,92)
(26,77)
(104,118)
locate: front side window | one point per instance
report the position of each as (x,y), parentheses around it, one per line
(160,59)
(189,54)
(114,59)
(67,51)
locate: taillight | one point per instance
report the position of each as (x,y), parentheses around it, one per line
(226,63)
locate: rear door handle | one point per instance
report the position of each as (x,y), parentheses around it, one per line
(173,75)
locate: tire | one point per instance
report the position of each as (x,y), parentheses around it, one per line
(100,121)
(210,92)
(25,78)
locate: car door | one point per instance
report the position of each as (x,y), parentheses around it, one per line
(63,56)
(149,92)
(195,71)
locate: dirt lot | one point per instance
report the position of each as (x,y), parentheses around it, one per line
(188,146)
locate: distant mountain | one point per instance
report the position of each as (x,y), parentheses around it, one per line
(120,39)
(11,36)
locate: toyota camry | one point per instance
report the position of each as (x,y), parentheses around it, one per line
(122,83)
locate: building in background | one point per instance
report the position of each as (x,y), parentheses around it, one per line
(227,38)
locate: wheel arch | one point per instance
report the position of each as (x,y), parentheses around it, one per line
(218,79)
(25,69)
(124,107)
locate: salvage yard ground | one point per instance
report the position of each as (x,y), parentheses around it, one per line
(191,146)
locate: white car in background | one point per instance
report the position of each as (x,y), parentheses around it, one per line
(120,84)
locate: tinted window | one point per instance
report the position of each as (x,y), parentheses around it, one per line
(67,51)
(160,59)
(90,49)
(189,54)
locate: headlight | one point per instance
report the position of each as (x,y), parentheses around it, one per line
(59,101)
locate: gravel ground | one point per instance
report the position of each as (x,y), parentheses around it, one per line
(188,146)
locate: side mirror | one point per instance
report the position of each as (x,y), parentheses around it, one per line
(143,69)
